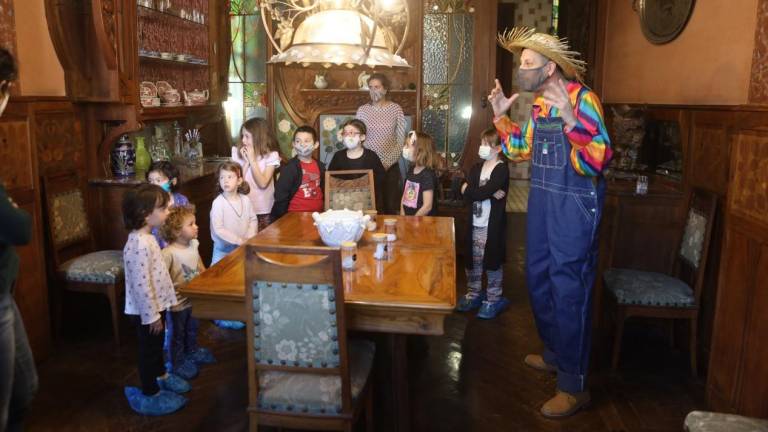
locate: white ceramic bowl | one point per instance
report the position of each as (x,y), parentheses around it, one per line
(338,226)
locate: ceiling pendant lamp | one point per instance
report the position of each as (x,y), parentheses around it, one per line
(337,33)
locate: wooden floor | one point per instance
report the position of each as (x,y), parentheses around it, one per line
(470,379)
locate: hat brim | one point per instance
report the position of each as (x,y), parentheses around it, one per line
(516,40)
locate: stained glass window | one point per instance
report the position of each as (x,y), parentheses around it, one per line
(447,75)
(555,16)
(247,66)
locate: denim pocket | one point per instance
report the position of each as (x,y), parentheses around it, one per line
(549,151)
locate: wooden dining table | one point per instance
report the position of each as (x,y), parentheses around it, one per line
(409,293)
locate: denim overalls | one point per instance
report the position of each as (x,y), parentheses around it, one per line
(564,211)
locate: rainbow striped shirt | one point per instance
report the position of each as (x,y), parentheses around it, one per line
(590,145)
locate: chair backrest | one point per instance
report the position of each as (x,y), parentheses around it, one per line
(296,327)
(68,232)
(691,260)
(353,190)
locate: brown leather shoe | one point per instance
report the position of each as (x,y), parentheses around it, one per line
(537,362)
(565,404)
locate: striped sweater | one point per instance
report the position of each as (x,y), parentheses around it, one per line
(590,145)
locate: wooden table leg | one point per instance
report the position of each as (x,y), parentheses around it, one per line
(399,354)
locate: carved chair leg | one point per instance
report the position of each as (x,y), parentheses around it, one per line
(111,293)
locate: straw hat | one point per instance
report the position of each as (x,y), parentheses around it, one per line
(549,46)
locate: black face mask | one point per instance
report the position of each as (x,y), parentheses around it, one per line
(530,80)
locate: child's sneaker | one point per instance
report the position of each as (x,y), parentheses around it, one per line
(202,356)
(162,403)
(468,303)
(186,369)
(227,324)
(490,310)
(174,383)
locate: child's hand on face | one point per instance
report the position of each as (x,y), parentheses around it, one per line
(156,327)
(247,152)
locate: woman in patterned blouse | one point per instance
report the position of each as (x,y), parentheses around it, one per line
(385,122)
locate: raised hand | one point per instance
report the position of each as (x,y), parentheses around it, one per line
(556,94)
(499,102)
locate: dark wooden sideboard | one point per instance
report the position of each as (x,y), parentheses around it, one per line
(197,184)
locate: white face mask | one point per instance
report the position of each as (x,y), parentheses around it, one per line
(351,142)
(408,154)
(304,150)
(485,152)
(377,95)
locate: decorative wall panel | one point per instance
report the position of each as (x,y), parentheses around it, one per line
(758,86)
(748,194)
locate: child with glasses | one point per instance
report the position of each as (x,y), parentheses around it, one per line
(356,157)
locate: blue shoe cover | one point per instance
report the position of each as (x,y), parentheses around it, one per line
(162,403)
(490,310)
(174,383)
(234,325)
(467,304)
(187,369)
(202,356)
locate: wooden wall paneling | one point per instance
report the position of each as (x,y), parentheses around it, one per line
(729,330)
(739,347)
(18,159)
(709,152)
(748,195)
(753,391)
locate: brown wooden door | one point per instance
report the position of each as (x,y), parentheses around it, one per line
(484,72)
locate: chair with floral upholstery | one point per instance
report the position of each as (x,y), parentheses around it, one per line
(302,371)
(75,263)
(676,295)
(704,421)
(352,189)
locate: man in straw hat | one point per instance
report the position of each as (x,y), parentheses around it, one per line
(568,145)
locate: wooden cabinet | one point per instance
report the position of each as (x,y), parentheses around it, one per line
(108,47)
(197,184)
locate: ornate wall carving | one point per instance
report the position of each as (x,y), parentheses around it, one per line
(59,141)
(758,86)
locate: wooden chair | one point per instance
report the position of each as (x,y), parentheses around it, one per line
(676,296)
(74,263)
(353,190)
(302,371)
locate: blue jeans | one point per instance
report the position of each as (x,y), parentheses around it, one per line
(220,250)
(18,377)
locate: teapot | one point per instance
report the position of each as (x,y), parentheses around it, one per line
(196,97)
(320,81)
